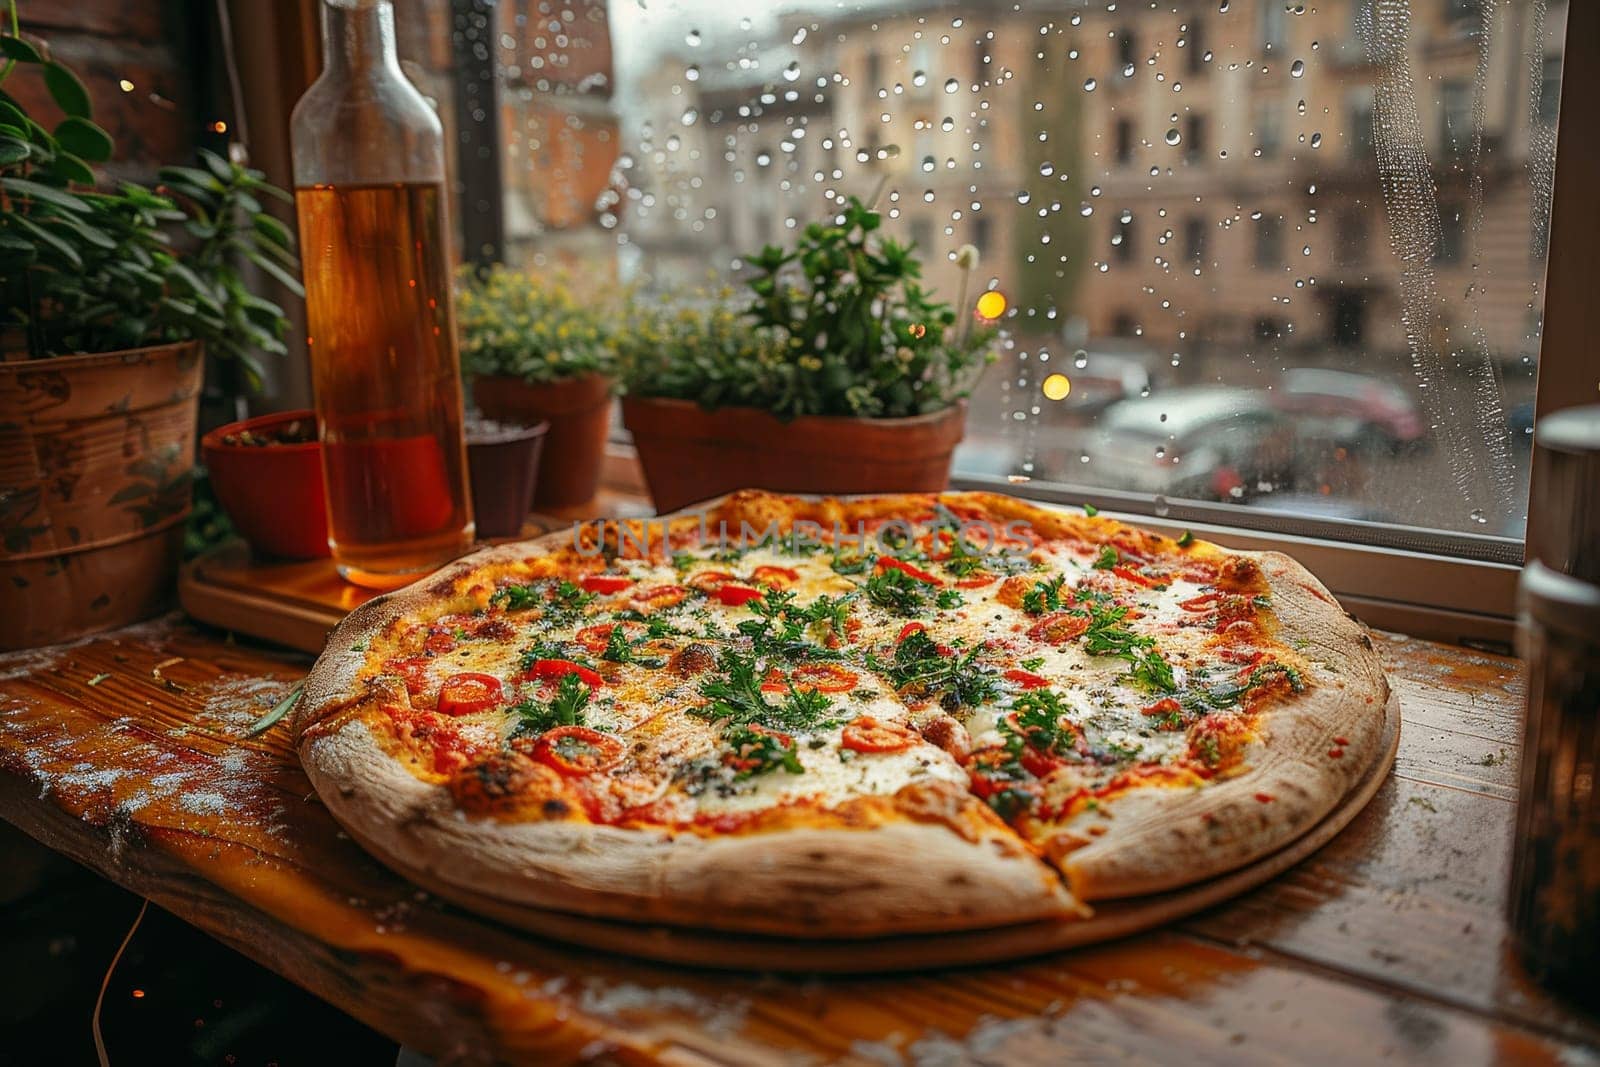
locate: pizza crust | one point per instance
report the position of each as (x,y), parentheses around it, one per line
(901,876)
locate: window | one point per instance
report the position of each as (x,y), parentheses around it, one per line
(1549,90)
(1455,117)
(1124,138)
(1270,23)
(1194,239)
(1194,138)
(1361,129)
(1452,232)
(1195,46)
(1269,242)
(1122,238)
(1268,126)
(1351,237)
(1237,269)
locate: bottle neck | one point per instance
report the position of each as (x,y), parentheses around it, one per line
(358,38)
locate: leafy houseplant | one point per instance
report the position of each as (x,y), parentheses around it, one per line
(102,321)
(839,372)
(535,353)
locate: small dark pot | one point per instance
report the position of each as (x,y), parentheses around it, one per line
(504,464)
(273,494)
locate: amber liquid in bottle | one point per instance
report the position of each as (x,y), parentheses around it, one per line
(385,374)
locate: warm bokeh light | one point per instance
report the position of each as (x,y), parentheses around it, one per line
(1056,387)
(992,305)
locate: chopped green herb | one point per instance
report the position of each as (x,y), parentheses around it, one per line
(949,598)
(1090,510)
(897,591)
(97,679)
(1044,596)
(1039,720)
(755,752)
(1186,540)
(566,708)
(920,669)
(736,696)
(1107,559)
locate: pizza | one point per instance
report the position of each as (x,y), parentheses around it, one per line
(841,717)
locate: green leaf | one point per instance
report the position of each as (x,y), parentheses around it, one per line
(21,51)
(288,280)
(66,90)
(62,248)
(218,166)
(70,168)
(95,236)
(279,710)
(45,193)
(192,176)
(13,150)
(272,230)
(83,138)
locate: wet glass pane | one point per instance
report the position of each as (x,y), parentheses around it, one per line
(1277,255)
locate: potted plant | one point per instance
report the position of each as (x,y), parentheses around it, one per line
(839,373)
(103,325)
(534,353)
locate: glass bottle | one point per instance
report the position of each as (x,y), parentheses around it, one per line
(369,179)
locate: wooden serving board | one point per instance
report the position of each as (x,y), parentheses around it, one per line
(296,603)
(1111,919)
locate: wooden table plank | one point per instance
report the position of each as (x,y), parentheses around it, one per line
(1386,943)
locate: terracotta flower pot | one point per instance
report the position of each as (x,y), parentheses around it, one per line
(578,411)
(96,458)
(273,493)
(690,454)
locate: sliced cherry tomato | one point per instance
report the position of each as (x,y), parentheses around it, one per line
(735,595)
(577,750)
(1164,706)
(1202,602)
(413,671)
(710,581)
(890,563)
(464,694)
(775,577)
(556,669)
(596,638)
(976,581)
(605,584)
(439,641)
(1131,575)
(659,597)
(910,628)
(821,677)
(1026,679)
(1058,627)
(867,734)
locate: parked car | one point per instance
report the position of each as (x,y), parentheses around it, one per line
(1351,408)
(1202,442)
(1112,370)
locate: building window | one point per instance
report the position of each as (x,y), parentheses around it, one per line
(1455,117)
(1122,238)
(1269,242)
(1194,138)
(1362,126)
(1452,232)
(1194,239)
(1268,126)
(1549,90)
(1124,139)
(1269,23)
(1351,238)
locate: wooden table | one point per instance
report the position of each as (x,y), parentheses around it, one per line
(124,753)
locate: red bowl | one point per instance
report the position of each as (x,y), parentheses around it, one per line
(273,494)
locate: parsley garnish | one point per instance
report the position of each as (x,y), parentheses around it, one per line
(1090,510)
(1186,540)
(783,628)
(736,697)
(919,669)
(1039,720)
(756,753)
(1107,559)
(897,591)
(949,598)
(1044,596)
(566,708)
